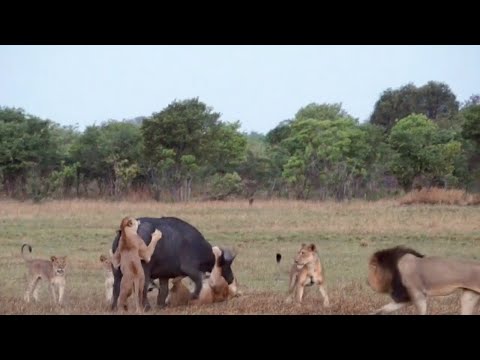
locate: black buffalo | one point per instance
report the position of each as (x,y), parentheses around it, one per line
(182,251)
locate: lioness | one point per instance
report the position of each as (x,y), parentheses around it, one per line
(107,268)
(410,277)
(214,287)
(307,270)
(128,255)
(53,272)
(180,292)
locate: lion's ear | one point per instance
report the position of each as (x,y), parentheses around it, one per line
(53,258)
(373,262)
(313,247)
(103,258)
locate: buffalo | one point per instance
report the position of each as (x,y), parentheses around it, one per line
(182,251)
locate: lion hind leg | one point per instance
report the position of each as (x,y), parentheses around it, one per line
(126,288)
(32,288)
(468,301)
(326,301)
(35,292)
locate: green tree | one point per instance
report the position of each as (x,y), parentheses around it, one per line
(327,151)
(472,101)
(256,168)
(187,139)
(420,148)
(28,147)
(471,126)
(279,133)
(225,185)
(471,134)
(434,99)
(106,153)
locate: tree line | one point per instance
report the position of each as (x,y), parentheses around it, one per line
(416,136)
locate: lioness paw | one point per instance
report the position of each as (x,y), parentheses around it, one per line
(157,235)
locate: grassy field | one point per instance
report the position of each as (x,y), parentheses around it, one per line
(85,229)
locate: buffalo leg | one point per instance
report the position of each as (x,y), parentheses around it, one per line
(146,304)
(162,292)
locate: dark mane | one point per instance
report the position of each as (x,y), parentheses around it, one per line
(388,259)
(395,253)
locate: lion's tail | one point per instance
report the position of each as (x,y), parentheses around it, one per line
(29,249)
(278,258)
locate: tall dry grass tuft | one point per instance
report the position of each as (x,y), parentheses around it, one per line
(433,196)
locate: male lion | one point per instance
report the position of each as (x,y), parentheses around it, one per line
(410,277)
(53,272)
(307,270)
(131,250)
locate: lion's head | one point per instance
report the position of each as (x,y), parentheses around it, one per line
(379,277)
(306,255)
(106,263)
(383,275)
(59,264)
(129,222)
(179,293)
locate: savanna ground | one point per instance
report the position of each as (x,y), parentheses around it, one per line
(83,230)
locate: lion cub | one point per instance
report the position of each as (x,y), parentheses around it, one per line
(107,268)
(307,270)
(53,272)
(130,251)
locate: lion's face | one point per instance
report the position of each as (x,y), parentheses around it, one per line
(59,265)
(305,255)
(129,222)
(379,279)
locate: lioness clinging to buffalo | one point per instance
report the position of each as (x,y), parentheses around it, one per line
(131,250)
(410,278)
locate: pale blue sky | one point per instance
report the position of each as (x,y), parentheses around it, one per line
(258,85)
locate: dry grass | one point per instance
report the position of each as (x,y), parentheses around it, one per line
(434,196)
(85,229)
